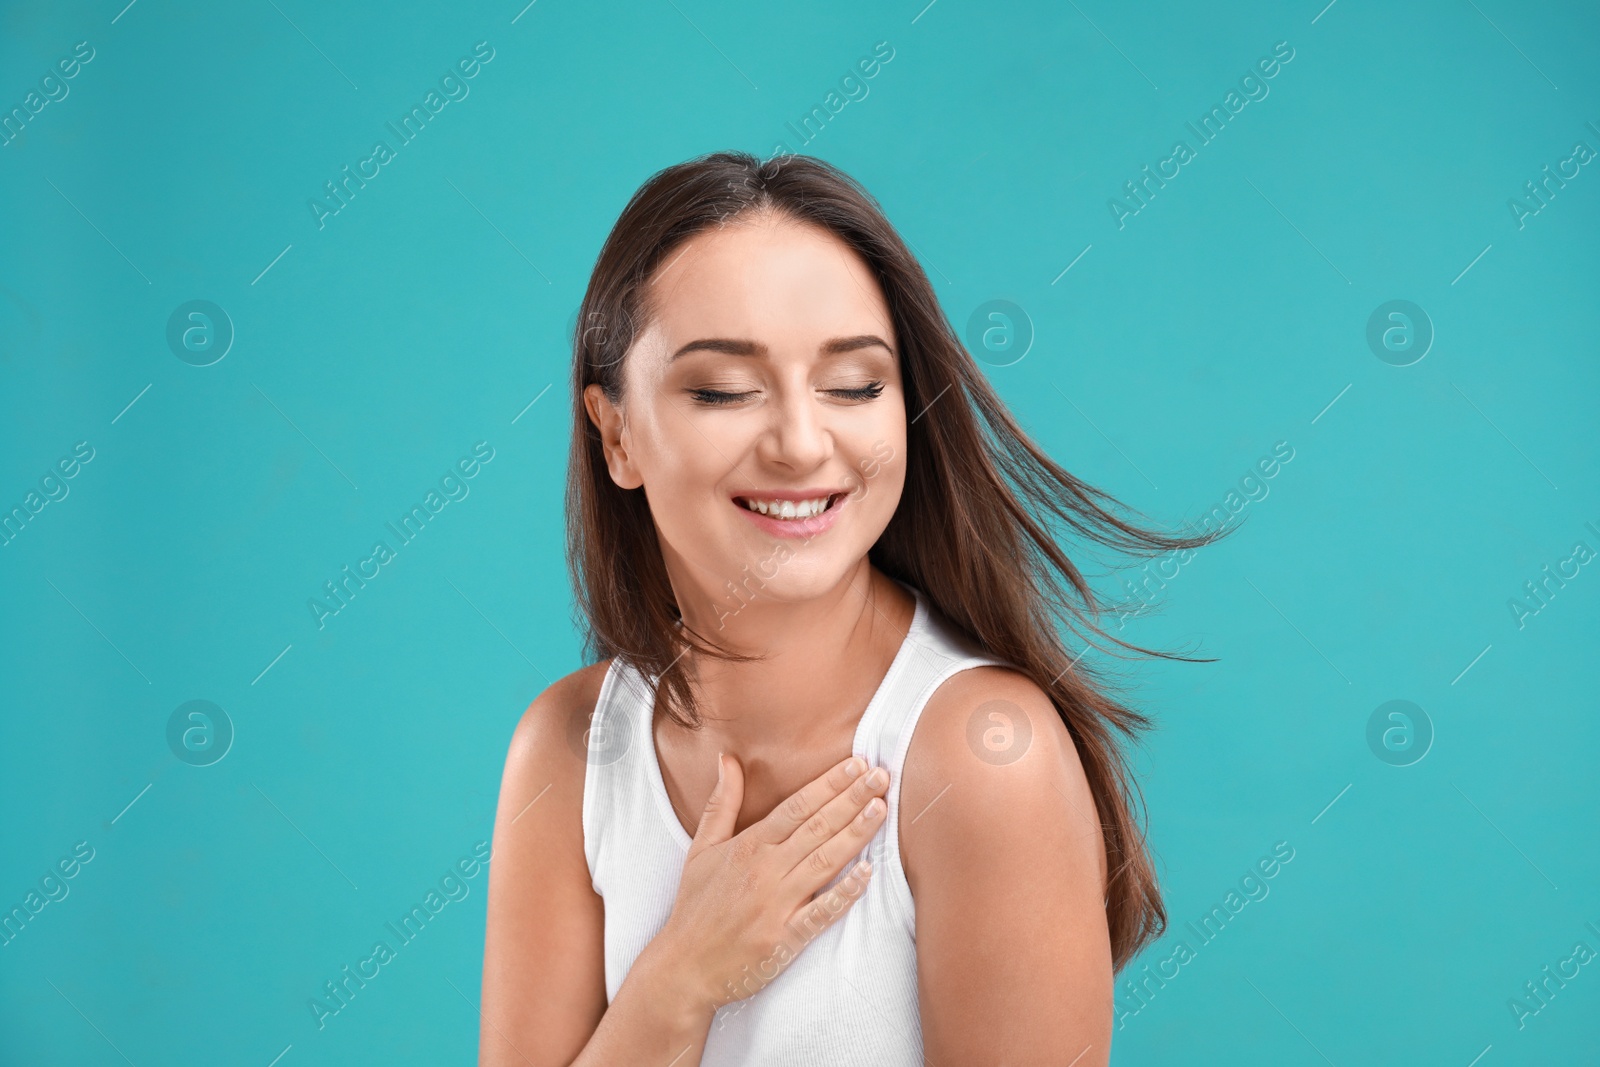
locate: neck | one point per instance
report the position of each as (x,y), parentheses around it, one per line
(822,659)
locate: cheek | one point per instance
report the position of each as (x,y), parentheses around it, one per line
(880,474)
(685,458)
(678,445)
(885,489)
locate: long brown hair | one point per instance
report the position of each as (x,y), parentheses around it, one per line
(973,527)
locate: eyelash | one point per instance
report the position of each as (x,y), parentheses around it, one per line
(713,397)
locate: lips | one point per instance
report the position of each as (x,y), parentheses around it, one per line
(788,507)
(795,527)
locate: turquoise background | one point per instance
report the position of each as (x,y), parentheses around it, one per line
(371,354)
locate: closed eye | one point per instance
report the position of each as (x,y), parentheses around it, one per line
(865,392)
(715,396)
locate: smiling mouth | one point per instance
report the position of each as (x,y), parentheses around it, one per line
(789,510)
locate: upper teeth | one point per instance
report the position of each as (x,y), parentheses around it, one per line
(788,509)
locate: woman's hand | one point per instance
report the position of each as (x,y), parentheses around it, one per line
(743,897)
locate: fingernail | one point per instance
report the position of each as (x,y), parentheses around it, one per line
(855,766)
(719,768)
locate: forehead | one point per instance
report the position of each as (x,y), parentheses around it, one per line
(767,274)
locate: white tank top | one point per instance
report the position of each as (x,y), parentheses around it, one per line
(850,995)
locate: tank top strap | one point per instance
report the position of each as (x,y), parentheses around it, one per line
(933,650)
(614,750)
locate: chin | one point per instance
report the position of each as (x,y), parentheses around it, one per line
(784,574)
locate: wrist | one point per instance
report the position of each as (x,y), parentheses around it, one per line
(684,998)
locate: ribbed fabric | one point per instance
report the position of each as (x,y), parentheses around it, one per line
(850,995)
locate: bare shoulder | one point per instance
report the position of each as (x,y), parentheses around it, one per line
(546,759)
(552,731)
(989,760)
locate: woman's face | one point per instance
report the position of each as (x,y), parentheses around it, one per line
(769,379)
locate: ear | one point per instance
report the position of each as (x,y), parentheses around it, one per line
(609,419)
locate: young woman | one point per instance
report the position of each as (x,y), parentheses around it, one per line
(813,556)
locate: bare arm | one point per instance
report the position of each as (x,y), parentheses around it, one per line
(1007,869)
(544,997)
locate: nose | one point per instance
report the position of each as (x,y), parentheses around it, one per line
(798,435)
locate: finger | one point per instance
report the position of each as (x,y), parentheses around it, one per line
(817,915)
(789,816)
(835,816)
(722,807)
(820,865)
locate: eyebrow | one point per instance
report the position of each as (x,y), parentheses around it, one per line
(732,347)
